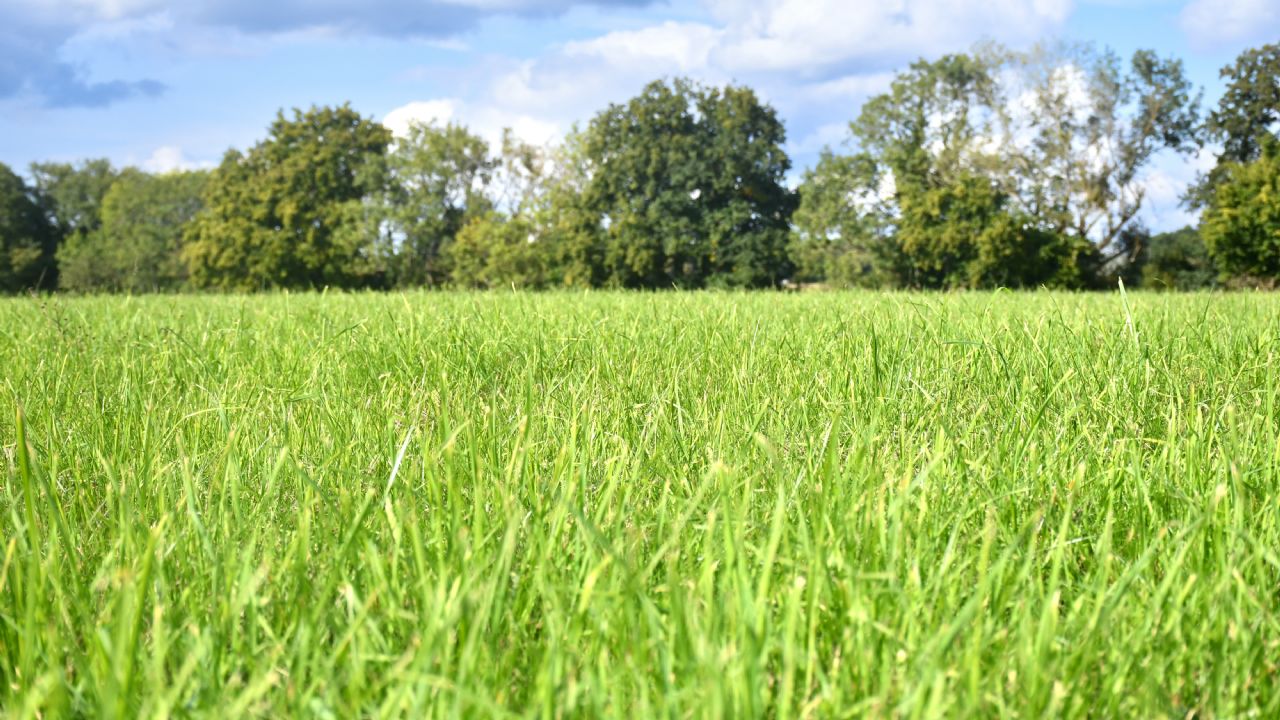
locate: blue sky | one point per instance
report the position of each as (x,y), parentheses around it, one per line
(174,83)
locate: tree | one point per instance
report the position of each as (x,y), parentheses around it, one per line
(567,229)
(1177,260)
(963,235)
(840,224)
(27,241)
(436,179)
(72,195)
(521,174)
(1063,134)
(1079,129)
(686,188)
(138,247)
(1248,113)
(1241,226)
(922,204)
(494,251)
(544,236)
(294,211)
(935,123)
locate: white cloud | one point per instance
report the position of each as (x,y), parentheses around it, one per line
(579,78)
(683,47)
(850,87)
(1162,207)
(486,121)
(812,34)
(426,112)
(850,47)
(830,135)
(1211,23)
(86,11)
(171,158)
(539,100)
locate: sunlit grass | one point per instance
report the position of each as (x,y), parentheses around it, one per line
(630,505)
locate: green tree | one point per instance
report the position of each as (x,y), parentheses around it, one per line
(963,235)
(27,241)
(1075,147)
(568,231)
(294,211)
(1177,260)
(1241,226)
(935,123)
(138,247)
(436,181)
(521,174)
(537,231)
(685,188)
(840,225)
(1247,114)
(494,251)
(72,195)
(1062,134)
(924,204)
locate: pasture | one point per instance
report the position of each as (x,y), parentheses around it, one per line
(640,505)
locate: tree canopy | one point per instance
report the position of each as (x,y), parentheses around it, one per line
(436,179)
(998,168)
(1241,226)
(72,194)
(27,241)
(1177,260)
(990,168)
(138,245)
(685,188)
(291,212)
(1248,114)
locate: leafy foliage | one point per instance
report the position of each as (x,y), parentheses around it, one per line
(1093,127)
(991,168)
(962,235)
(840,223)
(686,188)
(1060,134)
(435,182)
(27,241)
(291,213)
(566,227)
(138,247)
(1241,226)
(72,195)
(1248,113)
(494,251)
(1177,260)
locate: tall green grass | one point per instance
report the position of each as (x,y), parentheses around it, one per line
(612,505)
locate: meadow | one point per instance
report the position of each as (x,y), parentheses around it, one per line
(640,505)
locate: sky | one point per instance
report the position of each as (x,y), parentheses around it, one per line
(172,84)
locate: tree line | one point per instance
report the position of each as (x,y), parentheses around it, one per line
(991,168)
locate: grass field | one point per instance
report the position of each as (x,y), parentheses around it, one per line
(629,505)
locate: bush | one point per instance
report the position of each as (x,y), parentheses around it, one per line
(1241,227)
(494,251)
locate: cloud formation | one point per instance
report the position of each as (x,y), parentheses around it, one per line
(809,58)
(34,32)
(486,121)
(31,35)
(1212,23)
(171,158)
(387,18)
(817,35)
